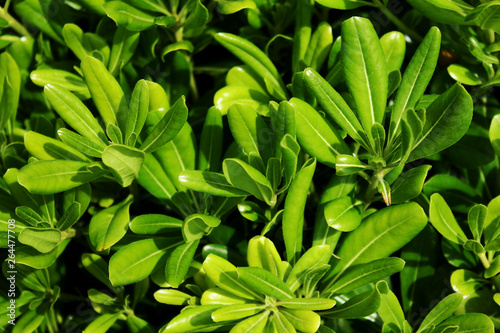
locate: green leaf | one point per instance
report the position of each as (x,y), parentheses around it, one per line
(108,226)
(114,133)
(209,182)
(81,143)
(293,215)
(466,282)
(106,92)
(244,76)
(248,129)
(365,71)
(236,312)
(184,45)
(335,106)
(210,150)
(196,226)
(70,216)
(312,259)
(96,266)
(486,16)
(469,322)
(28,215)
(409,184)
(125,162)
(171,297)
(303,320)
(463,75)
(127,16)
(446,121)
(302,34)
(64,79)
(193,319)
(136,261)
(495,133)
(224,275)
(358,306)
(390,310)
(343,214)
(138,325)
(167,128)
(227,7)
(290,151)
(442,311)
(346,165)
(154,179)
(124,44)
(380,234)
(197,15)
(74,113)
(343,4)
(444,221)
(220,296)
(138,111)
(44,240)
(229,95)
(255,59)
(443,11)
(178,263)
(264,282)
(494,268)
(54,176)
(73,36)
(394,46)
(243,176)
(102,323)
(319,46)
(40,16)
(45,148)
(315,135)
(415,79)
(313,304)
(154,224)
(364,274)
(255,323)
(262,253)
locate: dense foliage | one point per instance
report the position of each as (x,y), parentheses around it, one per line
(250,166)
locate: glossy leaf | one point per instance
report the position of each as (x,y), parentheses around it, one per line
(447,11)
(486,16)
(442,311)
(319,46)
(130,17)
(209,182)
(45,148)
(315,135)
(359,306)
(171,296)
(44,240)
(293,216)
(137,260)
(312,259)
(196,226)
(409,184)
(125,162)
(192,320)
(463,75)
(343,214)
(227,7)
(81,143)
(124,44)
(154,224)
(390,311)
(303,320)
(343,4)
(365,71)
(64,79)
(54,176)
(236,312)
(264,282)
(211,142)
(394,46)
(109,225)
(178,263)
(475,322)
(137,112)
(308,303)
(253,324)
(444,221)
(153,178)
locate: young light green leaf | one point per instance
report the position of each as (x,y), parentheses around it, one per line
(343,214)
(495,133)
(28,215)
(346,165)
(315,135)
(73,36)
(196,226)
(125,162)
(102,323)
(409,184)
(313,304)
(446,121)
(128,16)
(303,320)
(415,79)
(364,274)
(64,79)
(302,34)
(74,113)
(167,128)
(463,75)
(153,178)
(124,44)
(262,253)
(264,282)
(335,106)
(442,311)
(343,4)
(390,310)
(227,7)
(136,261)
(54,176)
(229,95)
(319,46)
(43,240)
(114,133)
(244,177)
(290,151)
(236,312)
(209,182)
(494,268)
(365,71)
(171,297)
(109,225)
(154,224)
(293,216)
(46,148)
(224,275)
(96,266)
(444,221)
(255,323)
(70,216)
(394,46)
(106,92)
(178,263)
(469,322)
(193,319)
(81,143)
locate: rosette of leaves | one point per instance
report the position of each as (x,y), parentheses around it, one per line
(133,130)
(419,125)
(43,223)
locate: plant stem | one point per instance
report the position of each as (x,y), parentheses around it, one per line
(403,27)
(484,260)
(13,23)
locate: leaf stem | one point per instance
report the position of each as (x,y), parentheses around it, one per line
(13,23)
(484,260)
